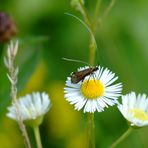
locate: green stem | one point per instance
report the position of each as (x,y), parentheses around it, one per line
(37,136)
(111,4)
(123,137)
(85,14)
(92,51)
(91,133)
(92,48)
(96,14)
(97,8)
(91,28)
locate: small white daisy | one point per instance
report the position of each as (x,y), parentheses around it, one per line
(135,109)
(95,92)
(30,106)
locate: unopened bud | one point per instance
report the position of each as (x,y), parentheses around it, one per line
(7,27)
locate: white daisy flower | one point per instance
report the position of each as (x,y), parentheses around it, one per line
(135,109)
(95,92)
(30,106)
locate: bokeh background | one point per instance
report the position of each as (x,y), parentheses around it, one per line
(46,35)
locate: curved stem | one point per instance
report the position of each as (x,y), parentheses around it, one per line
(37,136)
(123,137)
(92,27)
(91,133)
(93,44)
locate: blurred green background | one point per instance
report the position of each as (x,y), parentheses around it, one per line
(46,35)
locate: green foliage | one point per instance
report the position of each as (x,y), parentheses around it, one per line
(46,33)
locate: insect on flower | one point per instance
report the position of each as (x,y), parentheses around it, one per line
(80,75)
(92,88)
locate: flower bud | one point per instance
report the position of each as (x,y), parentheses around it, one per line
(7,27)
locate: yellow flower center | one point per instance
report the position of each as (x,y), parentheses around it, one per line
(139,114)
(92,89)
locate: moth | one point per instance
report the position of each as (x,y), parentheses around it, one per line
(80,75)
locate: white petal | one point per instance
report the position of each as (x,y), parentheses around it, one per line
(30,106)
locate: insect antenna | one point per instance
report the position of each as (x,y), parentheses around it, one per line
(74,60)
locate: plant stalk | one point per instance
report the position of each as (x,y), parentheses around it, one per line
(122,138)
(37,136)
(13,80)
(91,133)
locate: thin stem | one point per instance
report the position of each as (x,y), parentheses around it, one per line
(37,136)
(96,13)
(14,100)
(92,51)
(13,73)
(123,137)
(111,4)
(97,8)
(91,133)
(84,14)
(20,121)
(93,44)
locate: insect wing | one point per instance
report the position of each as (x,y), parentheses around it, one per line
(80,75)
(77,77)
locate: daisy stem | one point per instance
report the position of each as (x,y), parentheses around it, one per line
(123,137)
(37,136)
(91,133)
(92,51)
(91,26)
